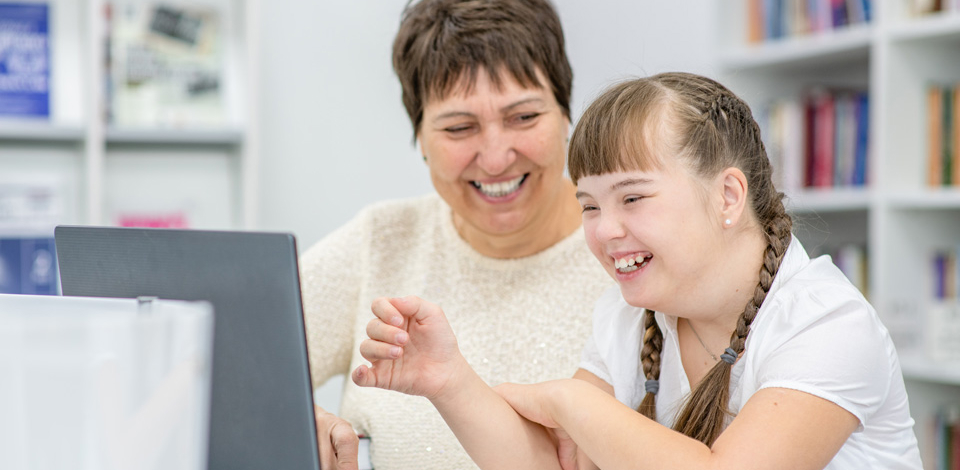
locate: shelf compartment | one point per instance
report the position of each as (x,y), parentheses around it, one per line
(227,136)
(917,368)
(829,200)
(931,199)
(930,27)
(835,46)
(39,131)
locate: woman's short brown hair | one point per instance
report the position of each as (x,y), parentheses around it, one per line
(442,41)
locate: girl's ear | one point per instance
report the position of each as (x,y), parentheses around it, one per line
(734,191)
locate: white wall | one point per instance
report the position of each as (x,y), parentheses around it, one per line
(334,133)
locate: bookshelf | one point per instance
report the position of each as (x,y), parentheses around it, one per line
(206,173)
(897,216)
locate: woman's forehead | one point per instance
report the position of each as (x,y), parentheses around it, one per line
(481,83)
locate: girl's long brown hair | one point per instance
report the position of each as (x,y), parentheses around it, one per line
(711,129)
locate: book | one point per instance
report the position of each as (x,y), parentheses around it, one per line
(946,134)
(824,133)
(862,136)
(24,60)
(166,65)
(934,139)
(846,139)
(955,132)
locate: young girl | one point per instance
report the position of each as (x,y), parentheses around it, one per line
(725,345)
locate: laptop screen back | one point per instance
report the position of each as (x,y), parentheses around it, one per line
(261,410)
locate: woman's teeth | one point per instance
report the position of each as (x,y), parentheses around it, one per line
(500,189)
(626,265)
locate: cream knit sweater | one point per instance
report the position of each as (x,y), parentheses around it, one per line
(519,320)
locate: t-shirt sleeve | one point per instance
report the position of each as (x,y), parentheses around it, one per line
(604,327)
(331,277)
(841,354)
(592,362)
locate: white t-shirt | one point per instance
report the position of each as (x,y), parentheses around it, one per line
(814,333)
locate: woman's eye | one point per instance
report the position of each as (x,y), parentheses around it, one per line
(588,208)
(631,199)
(458,129)
(526,118)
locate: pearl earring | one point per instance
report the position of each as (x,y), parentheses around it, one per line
(727,222)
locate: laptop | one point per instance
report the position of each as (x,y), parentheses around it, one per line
(261,408)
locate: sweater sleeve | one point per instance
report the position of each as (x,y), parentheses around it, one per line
(331,283)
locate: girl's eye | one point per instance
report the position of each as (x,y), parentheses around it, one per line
(630,199)
(586,208)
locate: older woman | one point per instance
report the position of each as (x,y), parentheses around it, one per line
(486,84)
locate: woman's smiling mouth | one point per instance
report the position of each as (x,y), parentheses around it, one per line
(501,188)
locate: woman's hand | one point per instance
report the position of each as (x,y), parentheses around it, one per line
(337,440)
(411,348)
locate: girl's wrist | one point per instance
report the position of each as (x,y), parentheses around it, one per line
(460,382)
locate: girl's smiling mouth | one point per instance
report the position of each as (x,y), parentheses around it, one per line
(630,263)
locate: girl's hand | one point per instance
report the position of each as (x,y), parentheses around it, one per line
(411,348)
(538,403)
(567,450)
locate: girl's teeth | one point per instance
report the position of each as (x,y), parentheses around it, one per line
(626,265)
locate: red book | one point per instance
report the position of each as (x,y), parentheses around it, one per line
(823,145)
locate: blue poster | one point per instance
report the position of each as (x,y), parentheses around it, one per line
(28,266)
(24,60)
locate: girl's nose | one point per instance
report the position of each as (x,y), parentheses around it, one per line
(609,227)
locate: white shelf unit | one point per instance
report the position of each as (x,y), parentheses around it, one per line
(897,216)
(209,173)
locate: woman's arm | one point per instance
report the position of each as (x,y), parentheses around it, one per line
(776,429)
(413,350)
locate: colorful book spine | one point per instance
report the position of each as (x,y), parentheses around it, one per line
(943,135)
(955,132)
(934,131)
(947,136)
(775,19)
(818,141)
(861,150)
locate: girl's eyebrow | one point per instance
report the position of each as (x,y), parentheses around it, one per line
(619,185)
(630,182)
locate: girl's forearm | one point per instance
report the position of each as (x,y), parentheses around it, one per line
(616,437)
(491,432)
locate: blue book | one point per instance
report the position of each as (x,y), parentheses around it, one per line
(863,127)
(24,60)
(28,266)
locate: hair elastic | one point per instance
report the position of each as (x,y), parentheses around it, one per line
(652,386)
(729,356)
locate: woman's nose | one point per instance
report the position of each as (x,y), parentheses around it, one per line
(497,152)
